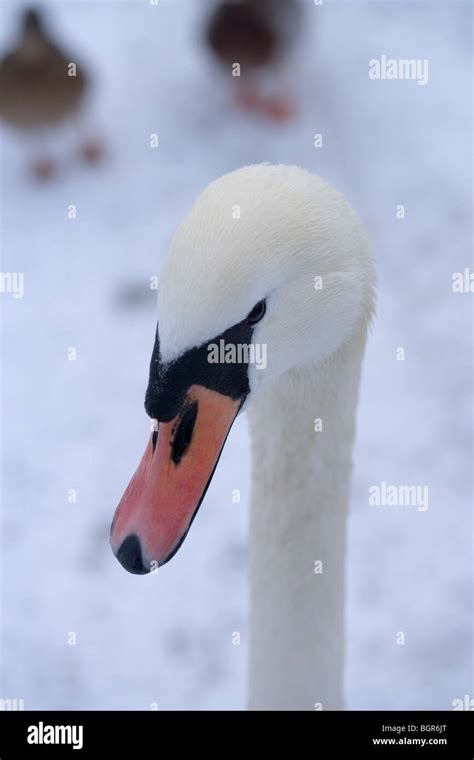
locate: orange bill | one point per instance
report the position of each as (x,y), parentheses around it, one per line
(162,498)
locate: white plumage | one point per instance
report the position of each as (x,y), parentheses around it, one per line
(280,233)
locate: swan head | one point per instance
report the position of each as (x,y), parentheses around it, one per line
(269,271)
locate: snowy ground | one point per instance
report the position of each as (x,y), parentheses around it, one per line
(167,639)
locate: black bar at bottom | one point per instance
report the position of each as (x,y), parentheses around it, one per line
(131,734)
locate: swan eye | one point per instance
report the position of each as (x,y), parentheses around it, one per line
(257,313)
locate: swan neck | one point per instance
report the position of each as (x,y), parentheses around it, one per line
(302,433)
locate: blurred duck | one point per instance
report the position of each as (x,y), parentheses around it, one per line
(37,90)
(258,35)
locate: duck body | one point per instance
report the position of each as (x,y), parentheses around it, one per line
(253,33)
(38,89)
(259,36)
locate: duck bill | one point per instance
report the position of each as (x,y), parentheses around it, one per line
(164,495)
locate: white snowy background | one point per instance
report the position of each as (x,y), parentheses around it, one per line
(167,638)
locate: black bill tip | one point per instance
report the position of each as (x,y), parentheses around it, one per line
(130,556)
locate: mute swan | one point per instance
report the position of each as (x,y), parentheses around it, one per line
(40,88)
(268,255)
(258,36)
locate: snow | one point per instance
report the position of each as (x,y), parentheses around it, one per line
(167,639)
